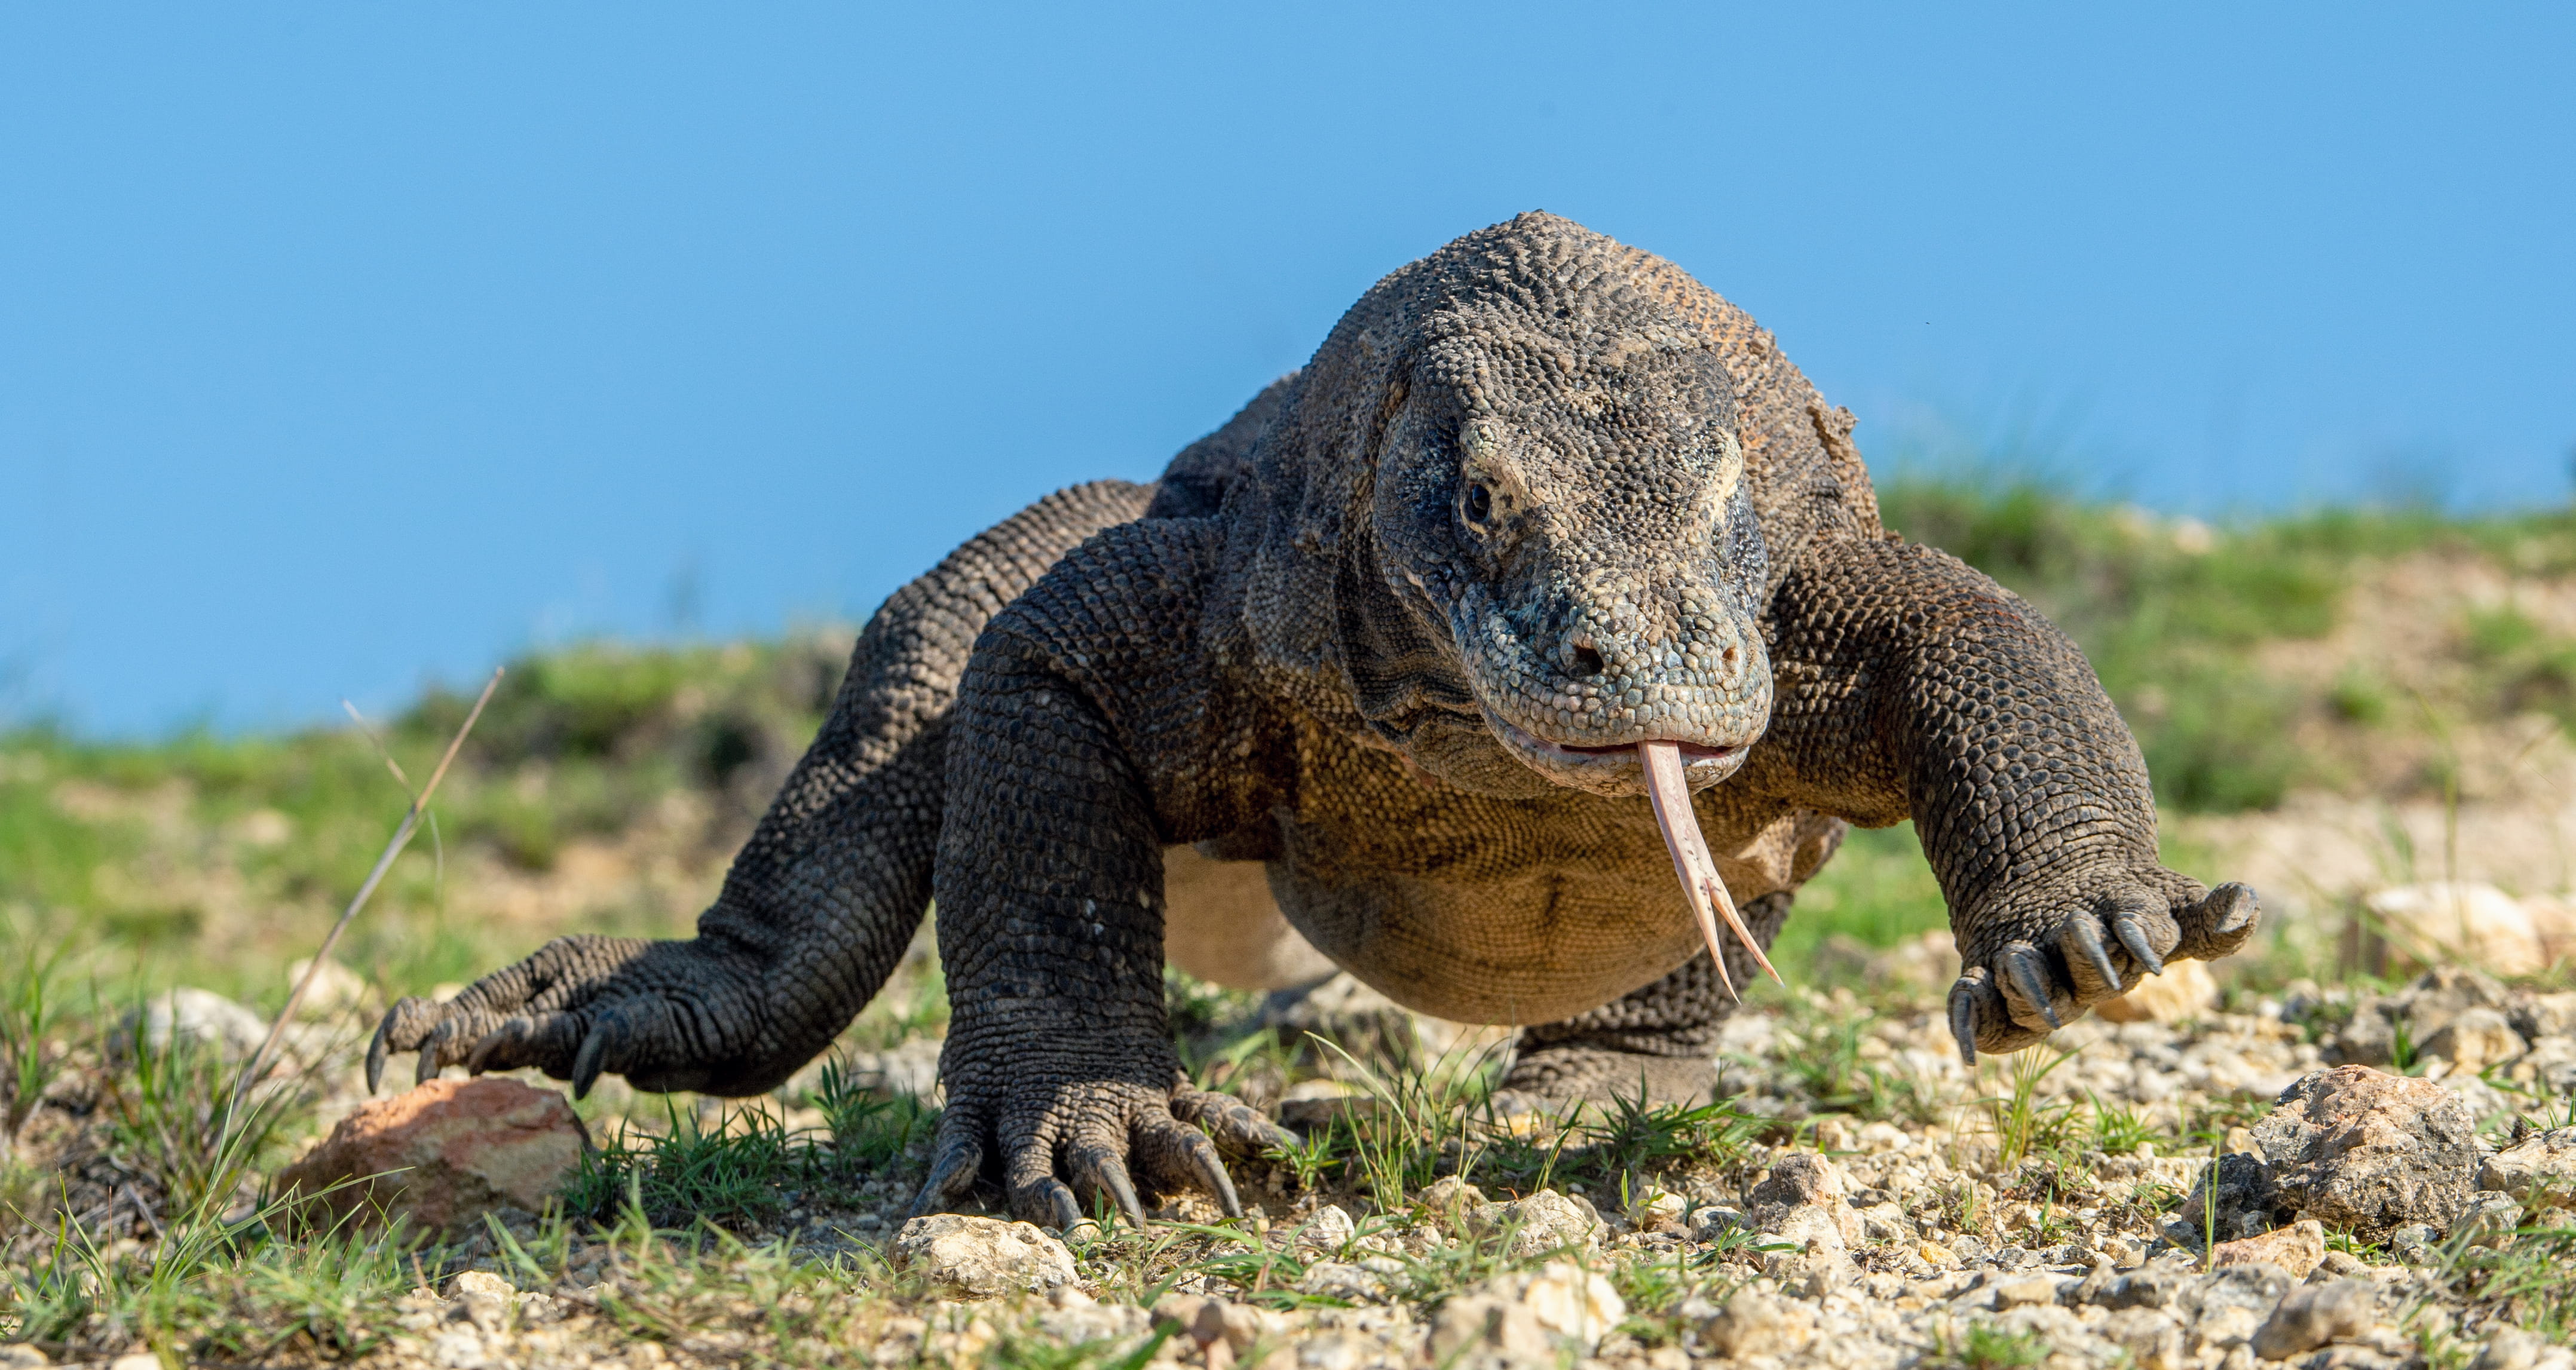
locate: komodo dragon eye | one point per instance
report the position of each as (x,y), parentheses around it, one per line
(1479,503)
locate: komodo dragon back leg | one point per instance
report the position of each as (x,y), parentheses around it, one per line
(818,907)
(1661,1039)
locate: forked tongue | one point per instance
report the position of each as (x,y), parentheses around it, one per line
(1691,861)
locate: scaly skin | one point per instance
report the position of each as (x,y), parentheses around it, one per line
(1398,630)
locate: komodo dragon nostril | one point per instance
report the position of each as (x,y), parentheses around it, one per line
(1587,659)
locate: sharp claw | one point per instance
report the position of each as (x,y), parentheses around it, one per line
(1963,1022)
(2022,964)
(1670,795)
(1112,1175)
(587,1061)
(2133,935)
(1212,1177)
(1068,1210)
(952,1172)
(2086,931)
(429,1064)
(379,1048)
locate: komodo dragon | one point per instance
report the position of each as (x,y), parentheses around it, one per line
(1547,540)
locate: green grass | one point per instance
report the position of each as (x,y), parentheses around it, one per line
(2119,1130)
(150,858)
(2022,1125)
(1876,891)
(1416,1124)
(1620,1149)
(2167,627)
(1985,1346)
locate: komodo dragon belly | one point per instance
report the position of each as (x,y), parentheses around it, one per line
(1488,910)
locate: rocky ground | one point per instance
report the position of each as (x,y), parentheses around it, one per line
(1862,1202)
(2366,719)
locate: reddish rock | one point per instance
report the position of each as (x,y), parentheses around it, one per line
(442,1155)
(2298,1248)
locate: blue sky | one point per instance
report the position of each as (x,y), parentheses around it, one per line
(344,347)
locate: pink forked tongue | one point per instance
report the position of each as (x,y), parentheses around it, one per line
(1698,870)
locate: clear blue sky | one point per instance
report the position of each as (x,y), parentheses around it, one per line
(345,346)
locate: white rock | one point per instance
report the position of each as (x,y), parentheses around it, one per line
(1803,1202)
(1479,1330)
(456,1348)
(1754,1324)
(2458,922)
(1076,1324)
(981,1258)
(2185,991)
(1573,1303)
(2511,1348)
(1329,1228)
(1534,1319)
(198,1016)
(1338,1351)
(2476,1039)
(1449,1194)
(2492,1219)
(2538,1170)
(336,989)
(1334,1280)
(2553,919)
(1545,1221)
(2152,1338)
(1659,1210)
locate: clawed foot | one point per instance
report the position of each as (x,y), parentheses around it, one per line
(654,1012)
(2023,990)
(1070,1149)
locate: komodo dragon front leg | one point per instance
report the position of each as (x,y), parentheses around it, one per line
(818,908)
(1084,744)
(1907,685)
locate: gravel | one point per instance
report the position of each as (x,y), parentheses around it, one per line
(1841,1240)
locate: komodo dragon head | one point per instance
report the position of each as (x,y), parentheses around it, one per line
(1505,509)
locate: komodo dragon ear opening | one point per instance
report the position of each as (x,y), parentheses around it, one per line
(1670,794)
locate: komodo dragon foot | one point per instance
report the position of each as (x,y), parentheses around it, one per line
(666,1015)
(1103,1135)
(2033,975)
